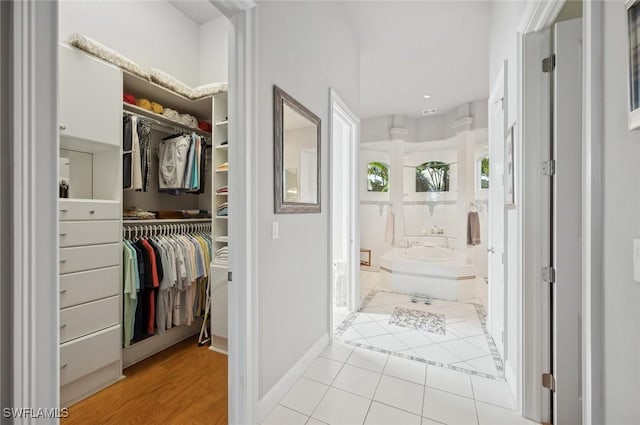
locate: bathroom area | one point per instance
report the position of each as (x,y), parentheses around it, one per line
(424,227)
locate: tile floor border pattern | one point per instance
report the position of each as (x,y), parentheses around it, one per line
(482,315)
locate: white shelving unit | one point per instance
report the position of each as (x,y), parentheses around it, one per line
(219,269)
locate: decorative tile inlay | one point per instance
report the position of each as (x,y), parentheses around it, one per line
(416,319)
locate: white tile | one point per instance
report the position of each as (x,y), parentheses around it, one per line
(304,396)
(323,370)
(357,380)
(438,338)
(363,318)
(426,421)
(381,414)
(485,364)
(494,415)
(479,341)
(401,394)
(436,353)
(342,408)
(313,421)
(492,391)
(386,342)
(463,349)
(351,334)
(281,415)
(367,359)
(392,329)
(413,338)
(409,370)
(449,380)
(369,329)
(338,351)
(466,329)
(449,408)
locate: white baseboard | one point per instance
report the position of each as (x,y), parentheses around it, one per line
(282,387)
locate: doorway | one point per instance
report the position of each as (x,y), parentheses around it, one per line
(344,219)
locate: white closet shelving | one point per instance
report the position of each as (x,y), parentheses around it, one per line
(90,220)
(219,268)
(91,224)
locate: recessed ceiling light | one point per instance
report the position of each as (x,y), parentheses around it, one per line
(427,96)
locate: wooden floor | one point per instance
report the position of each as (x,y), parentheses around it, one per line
(182,385)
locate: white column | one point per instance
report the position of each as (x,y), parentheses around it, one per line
(398,137)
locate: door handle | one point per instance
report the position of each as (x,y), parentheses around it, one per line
(491,250)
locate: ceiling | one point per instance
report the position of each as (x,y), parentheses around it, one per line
(199,11)
(413,48)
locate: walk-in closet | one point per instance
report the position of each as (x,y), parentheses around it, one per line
(144,212)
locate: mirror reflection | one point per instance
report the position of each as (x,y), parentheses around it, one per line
(300,159)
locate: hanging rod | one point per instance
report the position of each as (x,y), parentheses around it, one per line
(162,123)
(150,229)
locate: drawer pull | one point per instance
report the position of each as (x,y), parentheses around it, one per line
(64,210)
(92,211)
(63,127)
(63,234)
(64,365)
(63,291)
(64,325)
(63,261)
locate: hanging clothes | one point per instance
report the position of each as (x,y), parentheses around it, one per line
(182,164)
(165,281)
(136,140)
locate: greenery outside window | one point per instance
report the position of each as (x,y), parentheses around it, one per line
(484,172)
(377,177)
(433,176)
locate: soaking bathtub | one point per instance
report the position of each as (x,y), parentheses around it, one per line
(439,272)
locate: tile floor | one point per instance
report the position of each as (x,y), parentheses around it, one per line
(350,384)
(463,344)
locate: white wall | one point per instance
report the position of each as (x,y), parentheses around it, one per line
(152,33)
(621,387)
(305,49)
(214,50)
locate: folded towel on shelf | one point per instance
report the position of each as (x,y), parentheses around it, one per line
(205,126)
(171,114)
(157,108)
(222,189)
(223,167)
(129,98)
(189,120)
(144,103)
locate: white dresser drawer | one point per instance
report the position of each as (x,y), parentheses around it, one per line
(87,318)
(89,257)
(92,285)
(87,354)
(78,233)
(88,210)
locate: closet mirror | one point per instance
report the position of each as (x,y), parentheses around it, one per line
(297,156)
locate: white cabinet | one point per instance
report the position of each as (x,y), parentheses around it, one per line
(90,106)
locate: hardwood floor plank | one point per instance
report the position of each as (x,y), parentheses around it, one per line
(182,385)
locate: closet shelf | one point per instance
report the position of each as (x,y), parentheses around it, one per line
(222,171)
(219,266)
(222,194)
(222,217)
(222,147)
(162,123)
(222,123)
(223,239)
(167,221)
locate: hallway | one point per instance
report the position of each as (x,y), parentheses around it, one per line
(358,381)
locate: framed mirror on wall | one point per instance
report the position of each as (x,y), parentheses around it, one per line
(297,148)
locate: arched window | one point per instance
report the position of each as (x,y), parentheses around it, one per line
(483,172)
(377,177)
(432,176)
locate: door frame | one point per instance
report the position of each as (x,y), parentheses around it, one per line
(498,95)
(30,339)
(337,105)
(538,16)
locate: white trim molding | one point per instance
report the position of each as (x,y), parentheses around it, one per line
(284,384)
(243,221)
(592,216)
(34,213)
